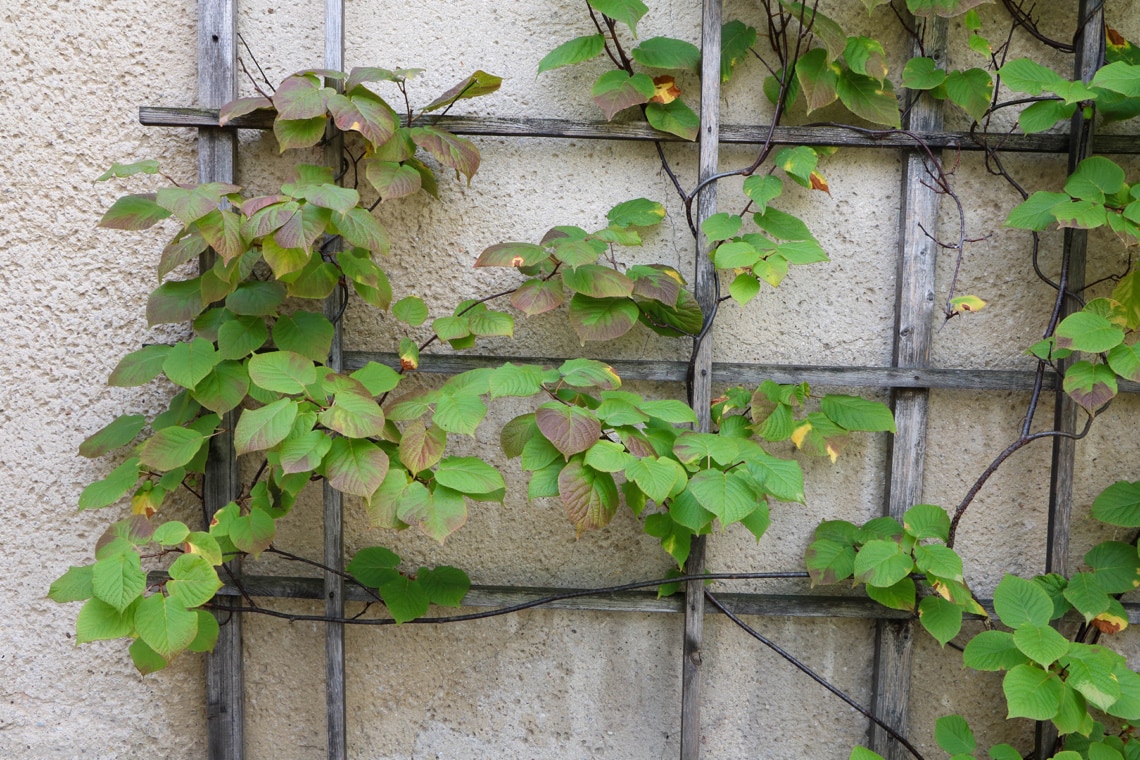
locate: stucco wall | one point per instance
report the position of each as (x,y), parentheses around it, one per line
(541,683)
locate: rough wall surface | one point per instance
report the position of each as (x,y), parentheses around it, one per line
(542,683)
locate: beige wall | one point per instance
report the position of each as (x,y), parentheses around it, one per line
(541,683)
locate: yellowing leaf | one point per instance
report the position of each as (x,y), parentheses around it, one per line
(800,433)
(964,304)
(1110,622)
(665,90)
(819,183)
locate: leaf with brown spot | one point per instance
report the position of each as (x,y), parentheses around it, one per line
(665,90)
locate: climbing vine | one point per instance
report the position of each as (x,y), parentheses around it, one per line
(256,360)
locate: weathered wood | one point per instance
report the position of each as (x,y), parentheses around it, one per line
(496,126)
(749,374)
(336,709)
(1089,57)
(700,378)
(914,314)
(217,161)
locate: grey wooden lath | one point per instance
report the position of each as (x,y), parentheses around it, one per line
(217,159)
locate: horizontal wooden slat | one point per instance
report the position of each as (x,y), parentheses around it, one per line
(749,374)
(768,605)
(729,134)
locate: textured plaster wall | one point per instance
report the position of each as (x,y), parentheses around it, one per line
(541,683)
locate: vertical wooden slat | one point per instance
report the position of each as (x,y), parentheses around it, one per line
(700,390)
(914,311)
(336,708)
(1089,55)
(217,159)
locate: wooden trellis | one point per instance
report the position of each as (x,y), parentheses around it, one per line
(909,378)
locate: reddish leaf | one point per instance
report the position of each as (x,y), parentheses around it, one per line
(538,296)
(451,151)
(590,497)
(241,107)
(422,447)
(570,428)
(366,113)
(512,255)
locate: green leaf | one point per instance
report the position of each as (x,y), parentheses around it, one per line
(174,301)
(1032,693)
(460,413)
(617,90)
(1116,566)
(1090,385)
(241,336)
(1095,178)
(829,561)
(1124,360)
(589,497)
(638,212)
(224,388)
(298,133)
(252,533)
(193,580)
(927,521)
(868,98)
(171,533)
(264,428)
(118,433)
(207,636)
(377,378)
(469,475)
(438,513)
(781,225)
(1019,602)
(138,368)
(940,561)
(1119,504)
(922,74)
(170,448)
(674,117)
(667,53)
(1119,77)
(476,85)
(862,753)
(628,12)
(1035,212)
(882,563)
(866,56)
(993,650)
(735,40)
(1086,595)
(361,229)
(954,736)
(118,580)
(306,333)
(1040,643)
(373,565)
(165,625)
(445,586)
(595,319)
(73,586)
(187,363)
(826,30)
(1039,117)
(149,166)
(727,495)
(1081,215)
(146,660)
(257,298)
(1028,76)
(282,371)
(971,89)
(576,50)
(900,596)
(99,621)
(854,413)
(133,212)
(762,190)
(355,466)
(405,598)
(411,310)
(782,479)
